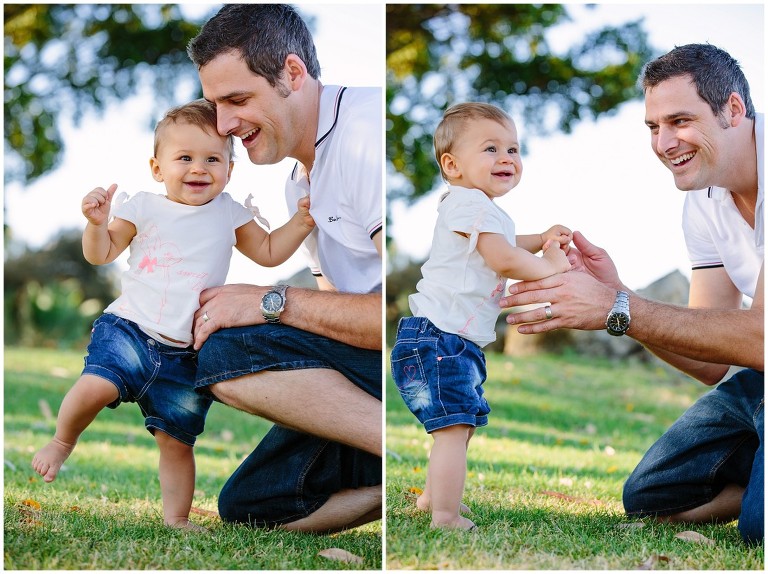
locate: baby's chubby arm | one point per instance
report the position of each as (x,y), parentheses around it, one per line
(103,240)
(271,249)
(519,262)
(535,243)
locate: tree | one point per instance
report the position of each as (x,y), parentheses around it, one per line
(72,59)
(441,54)
(52,295)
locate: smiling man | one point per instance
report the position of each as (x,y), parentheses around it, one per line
(708,467)
(308,360)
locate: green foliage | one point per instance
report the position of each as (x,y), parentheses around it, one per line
(545,477)
(438,55)
(103,511)
(67,60)
(52,295)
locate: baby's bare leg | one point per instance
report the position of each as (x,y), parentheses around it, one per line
(177,480)
(446,474)
(424,501)
(80,406)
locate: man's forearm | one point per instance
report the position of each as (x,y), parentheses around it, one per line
(707,373)
(713,336)
(351,318)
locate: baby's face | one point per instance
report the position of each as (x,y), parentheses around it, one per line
(487,157)
(194,164)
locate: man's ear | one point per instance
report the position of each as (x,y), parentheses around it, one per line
(450,167)
(154,165)
(735,109)
(295,71)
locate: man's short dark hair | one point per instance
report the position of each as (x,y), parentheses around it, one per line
(265,34)
(713,71)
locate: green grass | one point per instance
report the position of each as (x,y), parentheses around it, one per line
(545,476)
(104,510)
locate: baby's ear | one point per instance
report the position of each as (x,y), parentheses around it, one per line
(154,165)
(449,165)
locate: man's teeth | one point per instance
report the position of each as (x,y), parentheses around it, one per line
(249,134)
(682,158)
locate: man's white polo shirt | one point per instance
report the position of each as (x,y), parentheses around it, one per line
(345,187)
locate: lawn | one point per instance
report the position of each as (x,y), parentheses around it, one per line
(545,476)
(104,512)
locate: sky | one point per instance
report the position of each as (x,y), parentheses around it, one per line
(602,179)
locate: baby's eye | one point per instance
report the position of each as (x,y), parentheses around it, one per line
(512,150)
(212,159)
(185,158)
(491,148)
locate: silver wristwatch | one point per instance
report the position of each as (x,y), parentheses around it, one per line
(273,303)
(618,319)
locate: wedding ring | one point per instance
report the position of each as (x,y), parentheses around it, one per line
(548,311)
(206,317)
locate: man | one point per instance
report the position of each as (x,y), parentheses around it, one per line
(308,360)
(709,465)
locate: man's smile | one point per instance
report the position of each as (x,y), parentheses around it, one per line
(683,159)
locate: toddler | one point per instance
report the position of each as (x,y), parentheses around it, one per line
(180,243)
(437,361)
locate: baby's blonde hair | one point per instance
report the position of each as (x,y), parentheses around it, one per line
(200,113)
(450,127)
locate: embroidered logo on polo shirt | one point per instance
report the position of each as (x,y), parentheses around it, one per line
(332,218)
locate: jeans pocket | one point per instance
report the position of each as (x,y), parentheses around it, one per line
(410,376)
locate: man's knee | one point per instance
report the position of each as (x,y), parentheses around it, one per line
(631,496)
(752,529)
(231,507)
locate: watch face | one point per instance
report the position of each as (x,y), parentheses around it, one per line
(272,302)
(618,322)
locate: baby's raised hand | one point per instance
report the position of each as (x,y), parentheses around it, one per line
(556,256)
(559,233)
(303,212)
(97,203)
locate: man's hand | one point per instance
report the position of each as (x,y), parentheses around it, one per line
(593,260)
(227,306)
(579,299)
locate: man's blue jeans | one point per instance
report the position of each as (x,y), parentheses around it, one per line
(718,441)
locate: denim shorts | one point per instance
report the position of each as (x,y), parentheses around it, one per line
(439,375)
(290,474)
(716,442)
(160,378)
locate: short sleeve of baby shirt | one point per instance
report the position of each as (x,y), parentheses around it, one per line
(471,212)
(239,213)
(126,207)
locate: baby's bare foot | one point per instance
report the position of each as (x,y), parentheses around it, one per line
(425,505)
(185,524)
(457,523)
(48,460)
